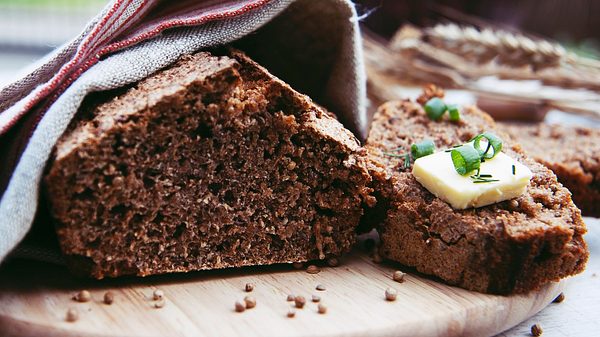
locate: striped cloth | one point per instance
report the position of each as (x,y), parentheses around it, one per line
(131,39)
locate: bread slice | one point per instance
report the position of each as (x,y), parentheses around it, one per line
(512,246)
(211,163)
(571,152)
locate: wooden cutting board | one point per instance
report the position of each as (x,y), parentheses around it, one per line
(34,299)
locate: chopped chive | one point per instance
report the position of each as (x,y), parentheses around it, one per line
(485,181)
(465,159)
(479,178)
(393,155)
(476,175)
(422,149)
(405,156)
(493,141)
(487,149)
(482,179)
(454,112)
(435,108)
(514,169)
(453,147)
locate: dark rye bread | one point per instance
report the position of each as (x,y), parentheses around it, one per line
(508,247)
(211,163)
(571,152)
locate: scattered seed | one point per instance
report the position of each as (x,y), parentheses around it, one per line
(391,294)
(333,261)
(159,303)
(72,315)
(322,308)
(240,306)
(291,298)
(312,269)
(109,298)
(559,298)
(398,276)
(321,287)
(298,265)
(291,313)
(250,302)
(158,294)
(300,301)
(83,296)
(316,298)
(536,330)
(249,287)
(377,258)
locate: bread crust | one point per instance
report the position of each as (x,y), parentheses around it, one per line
(509,247)
(571,152)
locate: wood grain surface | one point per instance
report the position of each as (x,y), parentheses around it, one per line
(35,297)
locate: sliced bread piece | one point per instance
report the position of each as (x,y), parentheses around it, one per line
(512,246)
(571,152)
(211,163)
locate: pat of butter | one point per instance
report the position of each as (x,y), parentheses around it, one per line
(437,174)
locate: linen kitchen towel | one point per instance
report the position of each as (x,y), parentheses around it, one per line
(312,44)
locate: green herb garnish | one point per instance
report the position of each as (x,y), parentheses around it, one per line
(422,149)
(435,108)
(394,155)
(481,181)
(469,157)
(418,150)
(466,159)
(479,178)
(454,112)
(453,147)
(514,169)
(494,142)
(406,161)
(406,157)
(484,176)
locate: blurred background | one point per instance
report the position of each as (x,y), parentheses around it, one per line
(30,29)
(574,23)
(520,60)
